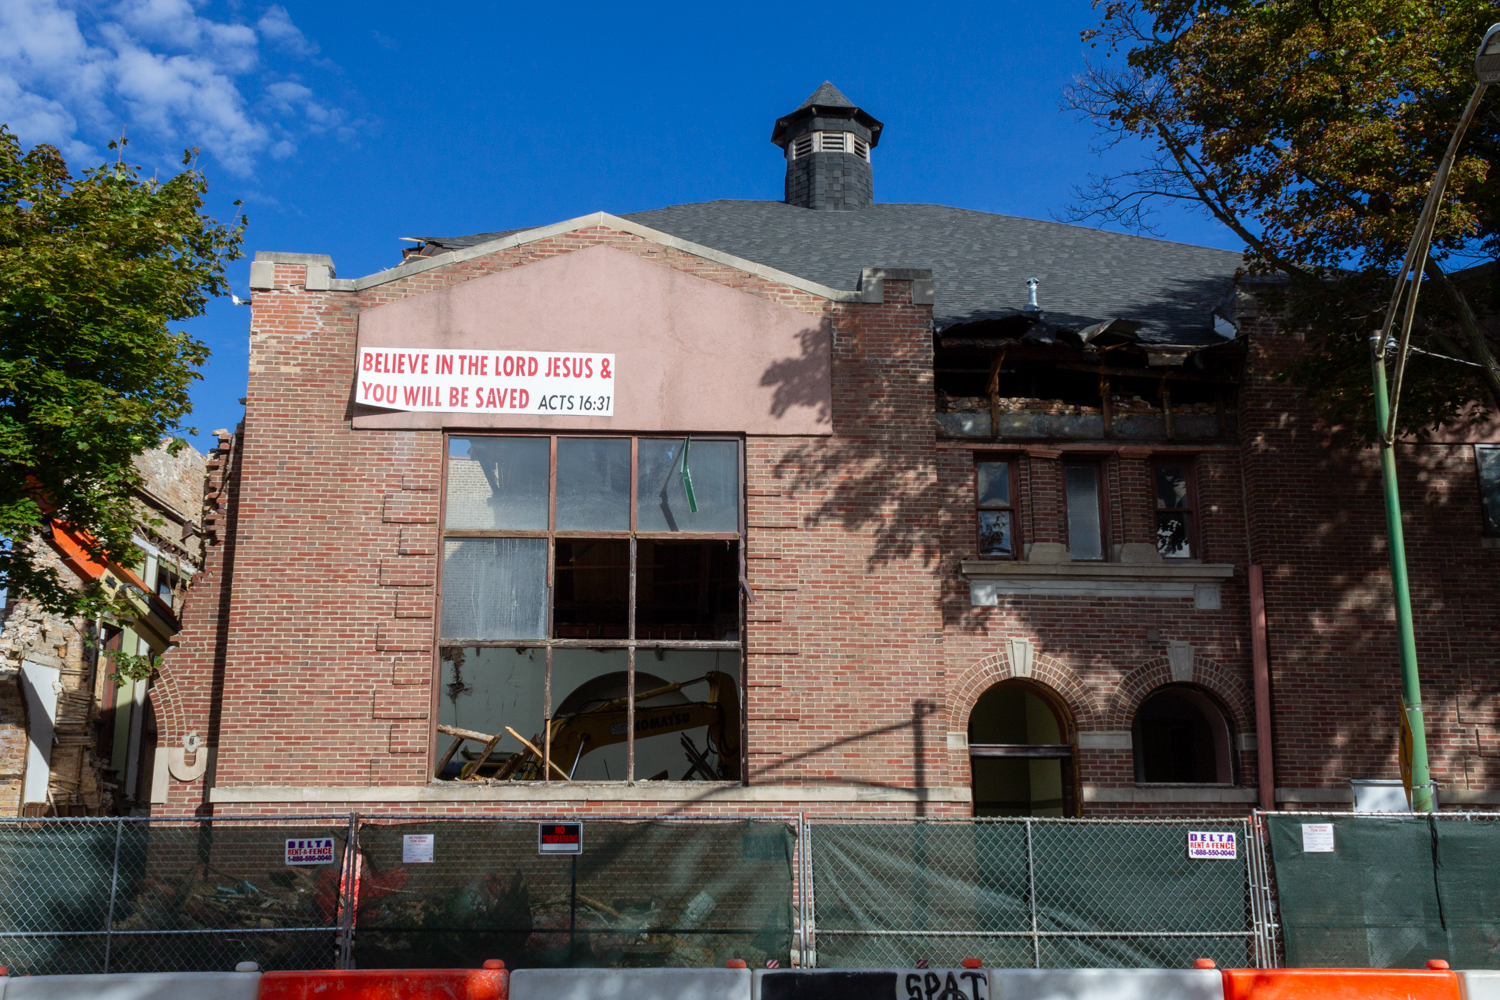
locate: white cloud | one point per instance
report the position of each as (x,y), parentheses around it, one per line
(76,75)
(276,26)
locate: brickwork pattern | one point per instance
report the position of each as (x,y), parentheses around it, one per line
(1318,526)
(863,649)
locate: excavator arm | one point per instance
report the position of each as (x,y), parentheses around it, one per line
(577,735)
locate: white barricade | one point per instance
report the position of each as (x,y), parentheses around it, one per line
(1106,984)
(630,984)
(135,986)
(1480,984)
(872,984)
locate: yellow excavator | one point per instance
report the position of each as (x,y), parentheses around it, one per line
(602,723)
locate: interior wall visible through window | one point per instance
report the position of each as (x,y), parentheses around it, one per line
(1086,530)
(995,508)
(579,573)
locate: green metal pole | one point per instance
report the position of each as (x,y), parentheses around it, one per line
(1411,684)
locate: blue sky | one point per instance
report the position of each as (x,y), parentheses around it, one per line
(345,126)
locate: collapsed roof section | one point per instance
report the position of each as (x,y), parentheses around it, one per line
(1025,378)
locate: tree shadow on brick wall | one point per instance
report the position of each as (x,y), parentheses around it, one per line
(876,475)
(922,750)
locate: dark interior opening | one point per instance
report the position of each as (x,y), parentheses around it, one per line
(1181,738)
(592,593)
(687,590)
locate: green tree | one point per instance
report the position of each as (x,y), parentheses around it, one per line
(92,270)
(1311,129)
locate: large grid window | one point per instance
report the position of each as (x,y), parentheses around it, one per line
(591,612)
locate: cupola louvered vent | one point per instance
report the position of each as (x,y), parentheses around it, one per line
(828,142)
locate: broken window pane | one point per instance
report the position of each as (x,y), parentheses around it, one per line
(589,718)
(593,484)
(994,484)
(661,500)
(592,594)
(1172,535)
(1085,535)
(494,588)
(687,590)
(1171,487)
(994,533)
(1173,539)
(1488,459)
(485,689)
(497,483)
(690,730)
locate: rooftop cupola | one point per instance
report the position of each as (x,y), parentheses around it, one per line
(827,142)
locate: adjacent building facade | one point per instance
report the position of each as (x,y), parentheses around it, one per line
(824,505)
(76,738)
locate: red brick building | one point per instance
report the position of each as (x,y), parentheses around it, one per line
(807,506)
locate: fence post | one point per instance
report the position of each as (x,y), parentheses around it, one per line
(802,890)
(114,883)
(1262,901)
(1036,941)
(351,873)
(810,929)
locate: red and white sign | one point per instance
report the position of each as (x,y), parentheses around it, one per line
(559,838)
(539,383)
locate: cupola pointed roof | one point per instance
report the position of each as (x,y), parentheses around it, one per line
(826,96)
(825,104)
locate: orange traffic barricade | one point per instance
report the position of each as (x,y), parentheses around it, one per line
(1341,984)
(490,983)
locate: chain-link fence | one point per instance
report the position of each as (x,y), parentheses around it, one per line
(1388,891)
(146,895)
(649,892)
(141,894)
(1034,893)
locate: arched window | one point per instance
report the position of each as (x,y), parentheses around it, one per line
(1021,752)
(1182,736)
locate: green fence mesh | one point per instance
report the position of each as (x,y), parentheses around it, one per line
(643,893)
(1104,895)
(1392,893)
(128,895)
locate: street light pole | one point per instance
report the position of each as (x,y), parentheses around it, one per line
(1409,283)
(1411,686)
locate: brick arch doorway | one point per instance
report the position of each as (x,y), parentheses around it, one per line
(1022,757)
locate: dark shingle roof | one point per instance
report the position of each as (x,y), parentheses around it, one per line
(827,96)
(979,261)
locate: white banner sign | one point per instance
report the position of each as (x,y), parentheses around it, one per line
(532,382)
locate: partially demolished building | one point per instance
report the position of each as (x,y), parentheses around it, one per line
(821,505)
(76,739)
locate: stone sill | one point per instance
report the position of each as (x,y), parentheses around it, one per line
(1008,568)
(675,791)
(1163,794)
(1345,796)
(991,579)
